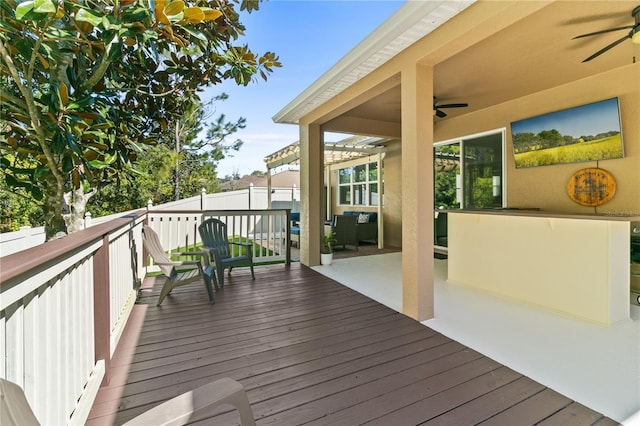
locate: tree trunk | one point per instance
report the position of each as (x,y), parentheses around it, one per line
(54,225)
(76,200)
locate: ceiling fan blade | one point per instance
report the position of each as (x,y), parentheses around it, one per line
(453,106)
(604,49)
(440,114)
(604,31)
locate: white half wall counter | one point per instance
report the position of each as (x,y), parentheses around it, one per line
(574,265)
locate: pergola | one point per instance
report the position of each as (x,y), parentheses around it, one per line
(334,152)
(351,148)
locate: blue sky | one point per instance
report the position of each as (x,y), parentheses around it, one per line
(309,37)
(585,120)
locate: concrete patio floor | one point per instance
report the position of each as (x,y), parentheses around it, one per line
(594,365)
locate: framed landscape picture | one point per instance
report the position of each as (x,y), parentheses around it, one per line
(584,133)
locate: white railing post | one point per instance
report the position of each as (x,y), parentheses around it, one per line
(26,239)
(203,196)
(149,204)
(87,220)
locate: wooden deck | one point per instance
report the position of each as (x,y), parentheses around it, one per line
(311,351)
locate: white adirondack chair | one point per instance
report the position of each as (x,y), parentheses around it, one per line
(174,270)
(16,411)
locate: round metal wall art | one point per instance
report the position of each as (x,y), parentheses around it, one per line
(591,187)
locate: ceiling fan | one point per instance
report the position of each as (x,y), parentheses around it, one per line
(441,114)
(634,34)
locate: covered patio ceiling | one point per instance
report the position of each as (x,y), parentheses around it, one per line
(512,49)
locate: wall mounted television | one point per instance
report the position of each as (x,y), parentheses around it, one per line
(588,132)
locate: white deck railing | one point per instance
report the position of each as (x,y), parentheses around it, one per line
(65,303)
(267,229)
(55,324)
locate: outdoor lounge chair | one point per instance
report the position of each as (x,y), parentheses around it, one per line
(345,231)
(15,409)
(178,273)
(216,241)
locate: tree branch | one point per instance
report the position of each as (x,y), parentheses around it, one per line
(34,115)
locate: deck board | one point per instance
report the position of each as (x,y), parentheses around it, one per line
(311,351)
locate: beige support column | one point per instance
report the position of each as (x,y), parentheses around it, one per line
(380,202)
(328,211)
(268,188)
(417,191)
(311,193)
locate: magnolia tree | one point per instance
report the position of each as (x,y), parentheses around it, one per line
(86,84)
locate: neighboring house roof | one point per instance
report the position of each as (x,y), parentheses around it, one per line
(409,24)
(334,152)
(284,179)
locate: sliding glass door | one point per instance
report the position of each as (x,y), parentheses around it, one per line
(482,172)
(468,174)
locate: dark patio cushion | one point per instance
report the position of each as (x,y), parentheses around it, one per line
(373,216)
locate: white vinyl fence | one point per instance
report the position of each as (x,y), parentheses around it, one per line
(244,199)
(11,242)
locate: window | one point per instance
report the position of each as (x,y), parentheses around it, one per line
(358,185)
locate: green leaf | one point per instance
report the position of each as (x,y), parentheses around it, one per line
(44,6)
(24,47)
(21,171)
(109,159)
(11,181)
(72,143)
(58,144)
(110,23)
(195,33)
(67,164)
(84,15)
(36,193)
(40,172)
(98,164)
(81,104)
(115,52)
(24,8)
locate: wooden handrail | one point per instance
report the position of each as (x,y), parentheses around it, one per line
(17,264)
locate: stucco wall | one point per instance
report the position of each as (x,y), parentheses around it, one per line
(545,187)
(393,195)
(392,208)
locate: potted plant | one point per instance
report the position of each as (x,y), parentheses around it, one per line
(326,254)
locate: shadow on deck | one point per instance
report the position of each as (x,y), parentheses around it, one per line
(309,350)
(364,249)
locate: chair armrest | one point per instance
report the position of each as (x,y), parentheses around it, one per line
(238,243)
(247,246)
(203,255)
(187,263)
